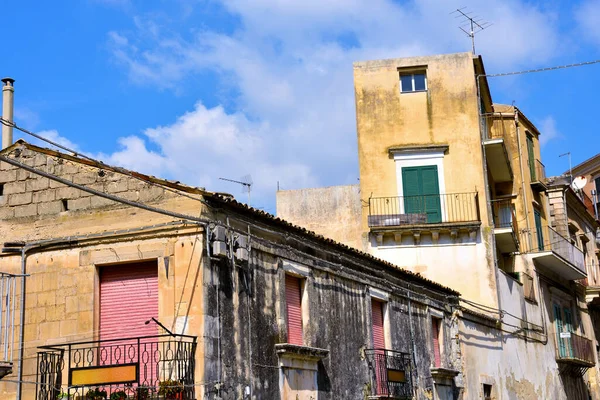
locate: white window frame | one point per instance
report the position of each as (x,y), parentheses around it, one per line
(384,298)
(421,158)
(412,80)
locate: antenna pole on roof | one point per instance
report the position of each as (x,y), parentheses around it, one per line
(245,181)
(570,168)
(470,24)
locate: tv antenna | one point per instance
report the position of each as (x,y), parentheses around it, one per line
(245,181)
(570,168)
(470,24)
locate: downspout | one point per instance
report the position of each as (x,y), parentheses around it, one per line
(412,341)
(523,189)
(487,192)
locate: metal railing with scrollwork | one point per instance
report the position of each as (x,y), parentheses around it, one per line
(78,368)
(390,373)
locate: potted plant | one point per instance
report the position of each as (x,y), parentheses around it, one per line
(119,395)
(142,393)
(170,389)
(96,394)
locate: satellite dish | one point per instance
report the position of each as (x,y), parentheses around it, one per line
(579,182)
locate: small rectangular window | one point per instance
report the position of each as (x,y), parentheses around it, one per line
(293,297)
(1,189)
(416,82)
(487,392)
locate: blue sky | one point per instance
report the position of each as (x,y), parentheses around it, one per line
(196,90)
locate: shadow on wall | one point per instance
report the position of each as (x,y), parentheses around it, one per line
(483,337)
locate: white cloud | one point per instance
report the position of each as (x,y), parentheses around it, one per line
(290,63)
(587,16)
(548,130)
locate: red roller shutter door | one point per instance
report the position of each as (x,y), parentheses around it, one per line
(293,297)
(437,359)
(128,298)
(379,343)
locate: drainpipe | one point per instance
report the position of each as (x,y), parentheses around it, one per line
(8,91)
(523,188)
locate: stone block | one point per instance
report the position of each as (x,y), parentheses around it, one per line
(67,192)
(68,328)
(71,304)
(85,178)
(117,186)
(25,210)
(23,175)
(14,187)
(39,160)
(49,330)
(18,199)
(48,208)
(55,313)
(6,212)
(68,167)
(8,175)
(44,196)
(37,184)
(46,299)
(131,195)
(152,193)
(98,201)
(6,166)
(82,203)
(55,184)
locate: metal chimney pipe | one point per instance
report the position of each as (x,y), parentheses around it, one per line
(8,92)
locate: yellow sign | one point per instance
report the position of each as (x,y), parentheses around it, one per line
(105,375)
(396,375)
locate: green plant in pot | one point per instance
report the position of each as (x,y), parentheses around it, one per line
(96,394)
(170,389)
(120,395)
(142,393)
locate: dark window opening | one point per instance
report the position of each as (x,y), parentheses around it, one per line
(64,205)
(487,392)
(1,189)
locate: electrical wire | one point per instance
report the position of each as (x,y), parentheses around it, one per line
(531,71)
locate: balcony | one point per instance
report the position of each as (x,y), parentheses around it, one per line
(538,176)
(505,226)
(496,152)
(574,353)
(140,368)
(390,374)
(554,252)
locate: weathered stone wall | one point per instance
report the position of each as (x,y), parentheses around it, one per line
(27,195)
(339,320)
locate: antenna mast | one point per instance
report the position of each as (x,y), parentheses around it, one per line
(245,181)
(470,24)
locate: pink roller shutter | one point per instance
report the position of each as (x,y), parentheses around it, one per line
(378,335)
(379,343)
(128,298)
(435,325)
(293,297)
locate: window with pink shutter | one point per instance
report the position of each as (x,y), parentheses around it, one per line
(377,315)
(435,333)
(293,297)
(379,346)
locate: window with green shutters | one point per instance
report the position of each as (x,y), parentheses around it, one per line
(538,229)
(531,157)
(421,192)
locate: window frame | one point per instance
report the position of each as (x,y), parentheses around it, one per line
(412,80)
(303,306)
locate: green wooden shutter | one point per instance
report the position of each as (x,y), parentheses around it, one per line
(531,158)
(569,328)
(538,229)
(558,323)
(421,191)
(412,190)
(431,193)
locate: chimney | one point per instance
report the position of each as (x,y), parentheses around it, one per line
(8,91)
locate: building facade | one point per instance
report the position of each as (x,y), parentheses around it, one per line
(147,288)
(452,187)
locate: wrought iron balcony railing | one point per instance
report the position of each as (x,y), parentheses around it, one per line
(547,239)
(538,173)
(143,368)
(390,373)
(574,348)
(425,209)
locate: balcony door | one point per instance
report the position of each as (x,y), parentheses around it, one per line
(563,322)
(421,192)
(531,158)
